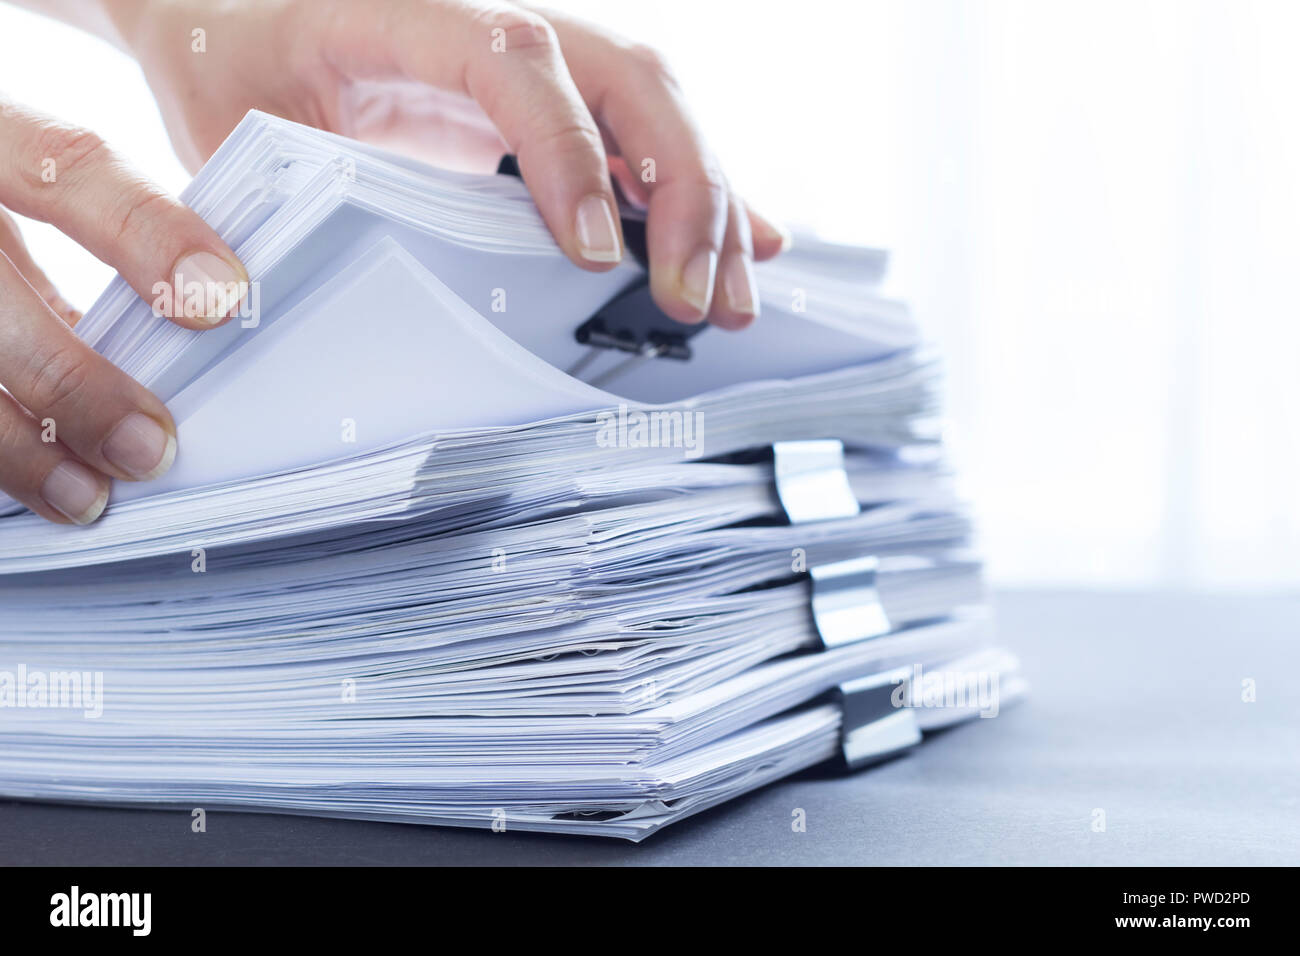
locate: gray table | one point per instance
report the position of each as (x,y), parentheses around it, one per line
(1135,709)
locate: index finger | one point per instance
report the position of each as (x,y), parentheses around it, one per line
(508,59)
(70,178)
(633,94)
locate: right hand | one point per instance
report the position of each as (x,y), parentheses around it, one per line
(70,420)
(575,103)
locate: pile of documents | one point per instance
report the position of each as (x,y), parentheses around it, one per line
(461,534)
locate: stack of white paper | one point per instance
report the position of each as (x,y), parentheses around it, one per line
(406,567)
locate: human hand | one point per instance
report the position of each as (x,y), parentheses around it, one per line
(70,420)
(573,102)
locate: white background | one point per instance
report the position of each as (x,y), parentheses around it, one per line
(1093,206)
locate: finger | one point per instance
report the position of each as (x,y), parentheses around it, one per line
(68,177)
(632,93)
(770,238)
(109,420)
(508,59)
(44,475)
(629,183)
(13,246)
(736,303)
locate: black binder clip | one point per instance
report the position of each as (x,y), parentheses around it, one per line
(877,721)
(630,322)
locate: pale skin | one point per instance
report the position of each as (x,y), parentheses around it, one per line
(577,105)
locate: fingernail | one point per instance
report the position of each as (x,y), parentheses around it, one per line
(597,233)
(73,490)
(697,280)
(206,287)
(140,447)
(766,230)
(739,286)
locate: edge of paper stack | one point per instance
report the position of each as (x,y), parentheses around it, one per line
(408,569)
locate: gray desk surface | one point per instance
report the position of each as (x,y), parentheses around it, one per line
(1135,709)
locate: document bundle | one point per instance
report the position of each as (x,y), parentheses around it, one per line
(461,534)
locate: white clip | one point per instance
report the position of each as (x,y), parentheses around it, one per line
(845,603)
(811,481)
(813,485)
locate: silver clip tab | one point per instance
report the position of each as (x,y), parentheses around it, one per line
(845,603)
(811,481)
(873,727)
(813,485)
